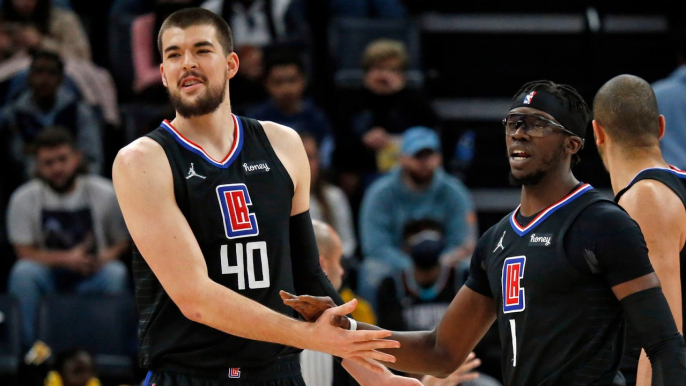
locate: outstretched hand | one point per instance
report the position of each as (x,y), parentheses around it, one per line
(355,346)
(464,373)
(312,307)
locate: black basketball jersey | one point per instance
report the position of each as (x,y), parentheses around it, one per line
(558,324)
(239,210)
(674,179)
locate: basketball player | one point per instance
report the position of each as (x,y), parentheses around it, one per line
(561,273)
(217,206)
(628,128)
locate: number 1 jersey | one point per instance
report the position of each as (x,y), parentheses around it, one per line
(551,278)
(239,210)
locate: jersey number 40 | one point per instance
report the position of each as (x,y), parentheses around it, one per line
(247,264)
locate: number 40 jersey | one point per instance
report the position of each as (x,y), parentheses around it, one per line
(238,209)
(551,277)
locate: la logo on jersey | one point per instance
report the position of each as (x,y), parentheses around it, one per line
(513,293)
(234,200)
(235,372)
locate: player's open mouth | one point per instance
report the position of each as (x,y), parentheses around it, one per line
(519,155)
(190,82)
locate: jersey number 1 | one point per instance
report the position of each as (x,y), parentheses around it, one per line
(239,269)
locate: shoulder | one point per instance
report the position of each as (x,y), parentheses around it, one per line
(454,184)
(383,185)
(334,193)
(281,136)
(25,192)
(655,195)
(142,154)
(61,17)
(101,184)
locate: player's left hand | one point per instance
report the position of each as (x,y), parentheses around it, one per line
(380,377)
(312,307)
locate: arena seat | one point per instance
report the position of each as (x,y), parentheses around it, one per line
(10,335)
(104,325)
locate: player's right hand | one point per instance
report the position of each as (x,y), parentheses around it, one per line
(312,307)
(353,345)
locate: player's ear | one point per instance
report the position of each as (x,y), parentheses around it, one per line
(574,144)
(661,128)
(232,64)
(164,78)
(598,133)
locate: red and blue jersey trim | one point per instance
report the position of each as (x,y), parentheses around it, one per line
(672,169)
(197,149)
(523,230)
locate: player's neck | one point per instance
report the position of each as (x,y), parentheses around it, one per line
(214,132)
(623,165)
(553,187)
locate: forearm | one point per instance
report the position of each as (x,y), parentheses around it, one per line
(42,256)
(419,353)
(648,313)
(223,309)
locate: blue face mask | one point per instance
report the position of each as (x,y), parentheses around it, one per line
(425,248)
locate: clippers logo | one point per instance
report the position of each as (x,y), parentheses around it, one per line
(513,293)
(234,201)
(528,98)
(235,372)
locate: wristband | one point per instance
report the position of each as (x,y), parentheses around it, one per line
(353,324)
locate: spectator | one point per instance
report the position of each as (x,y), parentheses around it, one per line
(73,368)
(247,87)
(285,81)
(328,203)
(671,101)
(383,9)
(36,24)
(66,229)
(146,58)
(319,368)
(371,119)
(48,103)
(416,298)
(263,23)
(418,189)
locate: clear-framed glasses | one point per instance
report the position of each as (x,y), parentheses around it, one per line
(533,125)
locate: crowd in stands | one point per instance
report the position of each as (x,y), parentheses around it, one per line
(79,80)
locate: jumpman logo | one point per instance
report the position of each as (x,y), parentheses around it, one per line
(192,173)
(500,243)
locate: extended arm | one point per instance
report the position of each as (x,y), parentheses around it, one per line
(662,228)
(144,185)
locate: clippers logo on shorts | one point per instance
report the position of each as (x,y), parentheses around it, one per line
(234,201)
(235,372)
(513,293)
(528,98)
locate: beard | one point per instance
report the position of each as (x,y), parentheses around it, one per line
(206,103)
(537,176)
(420,180)
(64,187)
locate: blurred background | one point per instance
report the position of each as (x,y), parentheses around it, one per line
(399,104)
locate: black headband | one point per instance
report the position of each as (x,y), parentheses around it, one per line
(549,103)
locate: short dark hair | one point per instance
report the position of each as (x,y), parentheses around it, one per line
(414,227)
(626,107)
(52,137)
(567,94)
(188,17)
(49,55)
(283,57)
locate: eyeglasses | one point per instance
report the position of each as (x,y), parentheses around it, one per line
(533,125)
